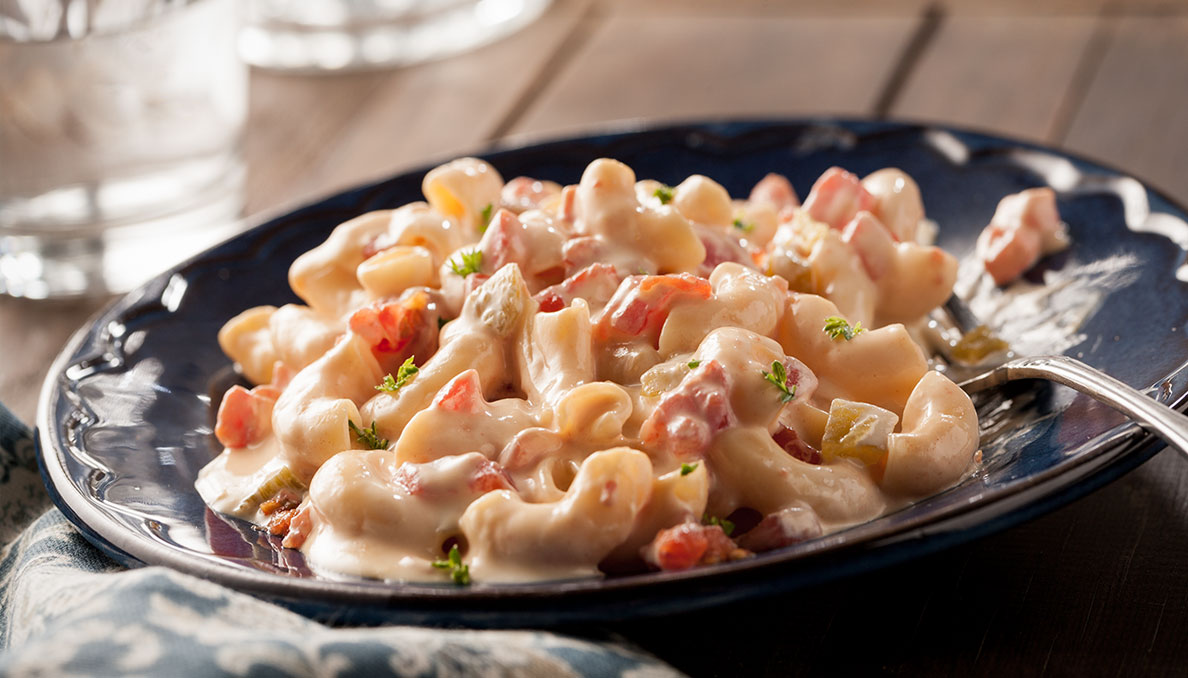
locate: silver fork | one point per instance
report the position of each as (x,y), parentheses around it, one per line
(1154,417)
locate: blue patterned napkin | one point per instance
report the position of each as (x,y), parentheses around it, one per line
(67,610)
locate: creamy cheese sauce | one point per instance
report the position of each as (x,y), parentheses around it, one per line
(565,381)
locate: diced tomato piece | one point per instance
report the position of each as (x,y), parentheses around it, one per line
(523,193)
(790,440)
(688,417)
(873,243)
(720,247)
(529,447)
(1034,208)
(584,251)
(463,393)
(387,328)
(504,242)
(1025,226)
(775,190)
(595,283)
(678,548)
(245,417)
(488,477)
(282,374)
(836,197)
(801,378)
(549,301)
(687,545)
(641,304)
(408,478)
(267,391)
(1007,252)
(785,527)
(427,480)
(579,253)
(397,330)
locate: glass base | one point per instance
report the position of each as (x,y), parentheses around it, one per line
(115,258)
(282,38)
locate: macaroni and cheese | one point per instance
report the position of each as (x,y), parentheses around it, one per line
(522,381)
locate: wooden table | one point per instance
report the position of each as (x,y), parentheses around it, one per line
(1099,587)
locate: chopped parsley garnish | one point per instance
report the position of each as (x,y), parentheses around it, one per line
(837,327)
(406,372)
(441,322)
(686,469)
(744,226)
(664,193)
(472,262)
(368,436)
(485,217)
(693,364)
(779,377)
(726,525)
(459,572)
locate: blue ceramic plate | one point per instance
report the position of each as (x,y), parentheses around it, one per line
(127,410)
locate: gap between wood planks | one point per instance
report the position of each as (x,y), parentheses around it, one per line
(929,26)
(573,43)
(1087,67)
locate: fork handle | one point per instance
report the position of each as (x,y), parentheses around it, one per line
(1163,421)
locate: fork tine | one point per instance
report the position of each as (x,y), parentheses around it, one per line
(960,313)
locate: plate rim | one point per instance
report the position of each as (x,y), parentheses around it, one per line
(1127,439)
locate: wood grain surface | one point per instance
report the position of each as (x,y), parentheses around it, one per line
(665,68)
(1003,74)
(1097,588)
(1134,112)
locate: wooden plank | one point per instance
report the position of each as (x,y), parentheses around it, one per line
(682,67)
(434,110)
(292,120)
(1023,7)
(1147,6)
(1133,113)
(669,8)
(1004,74)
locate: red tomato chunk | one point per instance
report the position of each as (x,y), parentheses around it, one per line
(595,283)
(789,439)
(688,417)
(397,330)
(836,197)
(690,544)
(642,303)
(245,417)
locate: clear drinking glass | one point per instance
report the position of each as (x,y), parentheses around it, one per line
(331,35)
(120,123)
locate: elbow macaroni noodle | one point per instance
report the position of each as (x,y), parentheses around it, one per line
(568,381)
